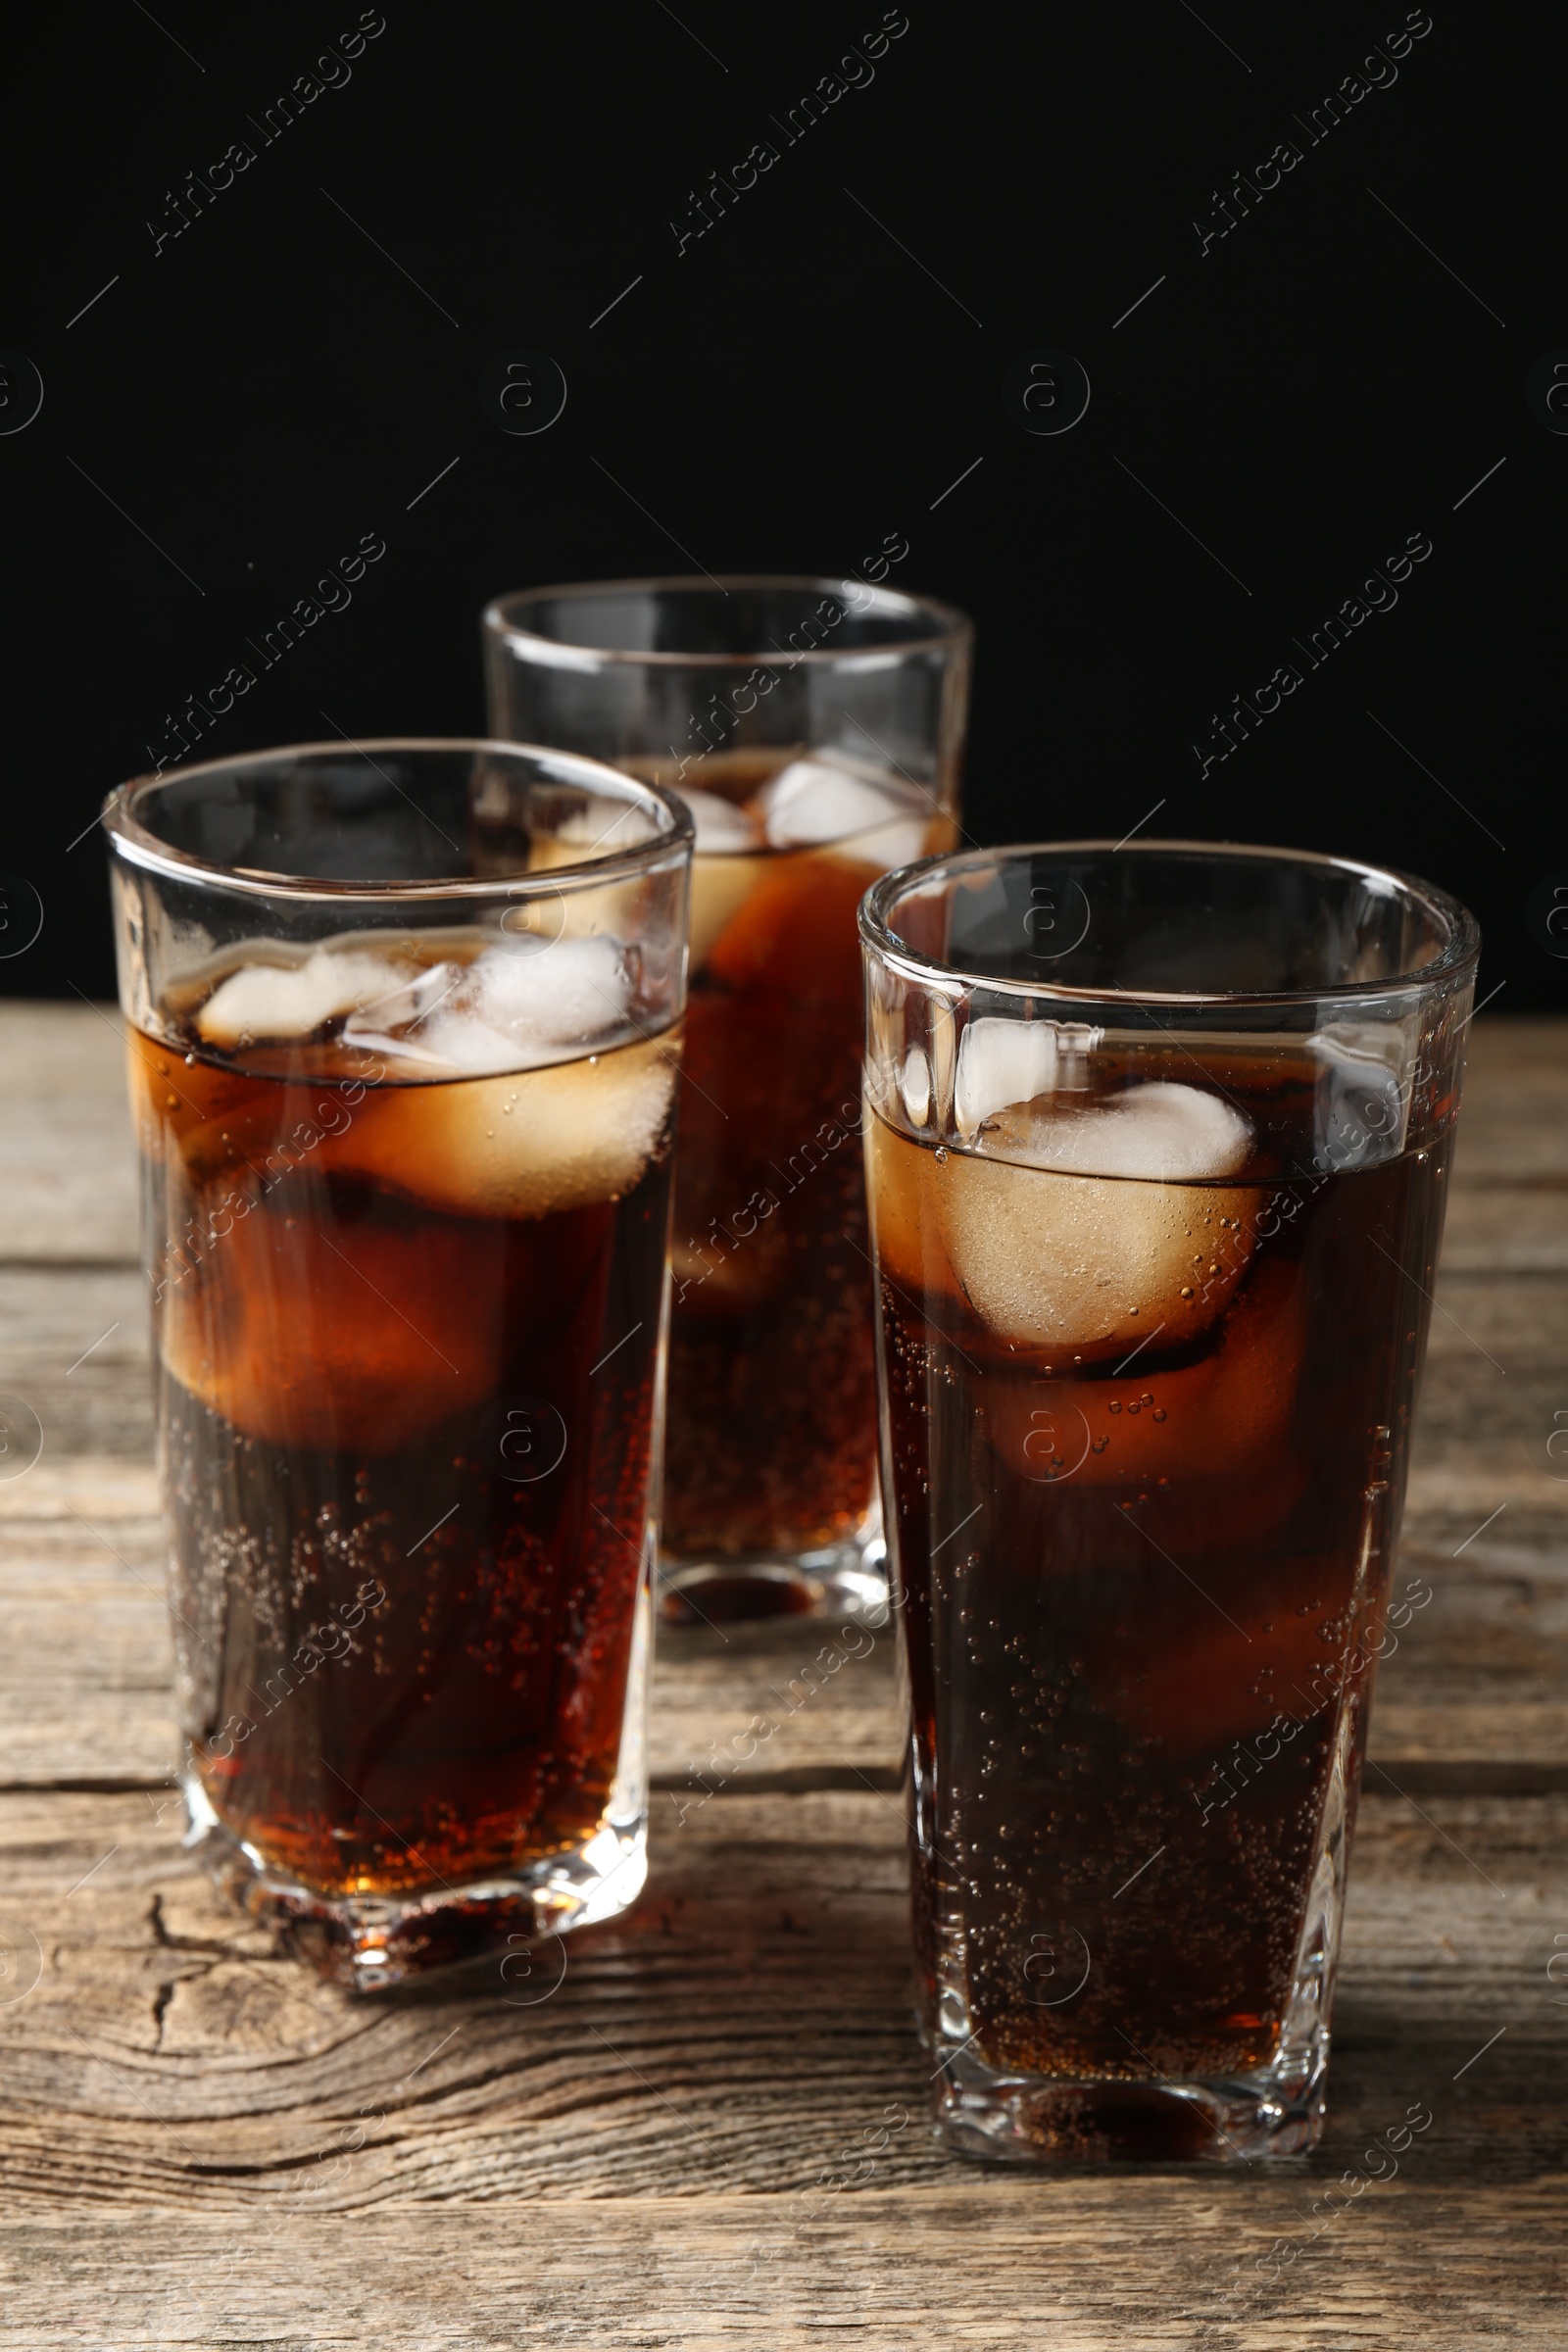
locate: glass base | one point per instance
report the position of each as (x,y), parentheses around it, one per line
(840,1579)
(1031,2119)
(366,1940)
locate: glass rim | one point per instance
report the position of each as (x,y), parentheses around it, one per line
(1463,947)
(132,840)
(946,625)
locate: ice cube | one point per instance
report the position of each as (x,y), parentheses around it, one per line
(1211,1420)
(1001,1062)
(1363,1093)
(1108,1226)
(722,827)
(811,801)
(512,1008)
(397,1010)
(607,825)
(914,1086)
(1160,1132)
(360,1338)
(886,846)
(1087,1268)
(563,992)
(598,829)
(720,888)
(723,874)
(525,1145)
(277,1000)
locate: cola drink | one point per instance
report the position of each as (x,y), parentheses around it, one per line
(1151,1329)
(814,728)
(407,1300)
(771,1440)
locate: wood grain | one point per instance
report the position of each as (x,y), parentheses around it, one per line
(49,1051)
(735,2032)
(1513,1128)
(1009,2264)
(672,2149)
(201,2144)
(1506,1228)
(67,1179)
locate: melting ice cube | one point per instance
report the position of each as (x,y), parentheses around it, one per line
(915,1085)
(607,825)
(569,992)
(525,1145)
(722,827)
(278,1001)
(1162,1133)
(811,801)
(1002,1061)
(899,844)
(512,1008)
(1363,1093)
(1113,1229)
(725,870)
(720,888)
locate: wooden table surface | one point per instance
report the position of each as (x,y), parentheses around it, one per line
(695,2138)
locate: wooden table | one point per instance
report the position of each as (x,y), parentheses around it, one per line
(695,2140)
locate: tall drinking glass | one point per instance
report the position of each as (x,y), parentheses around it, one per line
(814,729)
(1157,1146)
(403,1031)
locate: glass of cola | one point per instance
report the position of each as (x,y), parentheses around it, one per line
(1157,1143)
(403,1027)
(814,729)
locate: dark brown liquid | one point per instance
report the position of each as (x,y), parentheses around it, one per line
(1142,1600)
(771,1444)
(407,1496)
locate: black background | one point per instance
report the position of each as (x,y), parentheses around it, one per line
(801,382)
